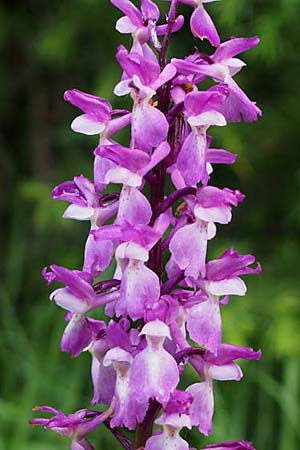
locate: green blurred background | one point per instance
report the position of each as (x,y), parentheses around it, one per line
(51,46)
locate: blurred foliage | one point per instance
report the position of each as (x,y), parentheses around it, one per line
(49,47)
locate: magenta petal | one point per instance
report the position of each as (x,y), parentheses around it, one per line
(77,335)
(134,207)
(238,106)
(150,10)
(149,126)
(103,382)
(131,11)
(101,167)
(76,283)
(97,256)
(160,153)
(188,247)
(139,287)
(96,107)
(131,159)
(203,27)
(233,47)
(205,326)
(191,160)
(220,156)
(204,101)
(202,408)
(229,352)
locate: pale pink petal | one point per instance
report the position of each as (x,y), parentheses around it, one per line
(79,212)
(233,286)
(124,25)
(87,125)
(207,118)
(123,176)
(225,372)
(220,214)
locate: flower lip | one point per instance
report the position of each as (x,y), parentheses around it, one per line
(156,328)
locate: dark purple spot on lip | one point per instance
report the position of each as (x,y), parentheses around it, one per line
(107,199)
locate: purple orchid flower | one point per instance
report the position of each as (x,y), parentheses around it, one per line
(127,410)
(222,279)
(97,115)
(79,298)
(189,244)
(105,338)
(143,78)
(86,205)
(174,418)
(154,372)
(201,110)
(74,426)
(219,367)
(222,66)
(142,24)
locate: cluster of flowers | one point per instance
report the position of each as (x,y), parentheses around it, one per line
(164,301)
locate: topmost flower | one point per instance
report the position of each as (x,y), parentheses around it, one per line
(142,24)
(201,23)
